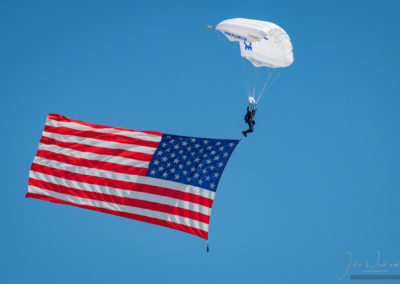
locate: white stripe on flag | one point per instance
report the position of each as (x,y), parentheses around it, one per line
(77,126)
(92,156)
(99,143)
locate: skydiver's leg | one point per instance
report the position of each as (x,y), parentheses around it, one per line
(251,123)
(248,130)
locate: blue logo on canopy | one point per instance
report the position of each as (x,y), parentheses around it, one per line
(247,46)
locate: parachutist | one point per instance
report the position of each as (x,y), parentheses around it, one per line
(249,119)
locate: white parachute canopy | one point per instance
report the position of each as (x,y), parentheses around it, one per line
(264,44)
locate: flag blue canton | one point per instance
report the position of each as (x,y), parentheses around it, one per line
(191,160)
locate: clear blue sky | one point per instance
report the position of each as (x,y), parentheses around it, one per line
(318,177)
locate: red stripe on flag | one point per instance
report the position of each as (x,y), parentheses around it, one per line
(162,191)
(184,228)
(59,117)
(100,136)
(121,200)
(112,167)
(98,150)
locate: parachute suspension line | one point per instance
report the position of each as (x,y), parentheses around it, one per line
(255,82)
(269,86)
(270,72)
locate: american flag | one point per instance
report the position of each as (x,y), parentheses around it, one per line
(163,179)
